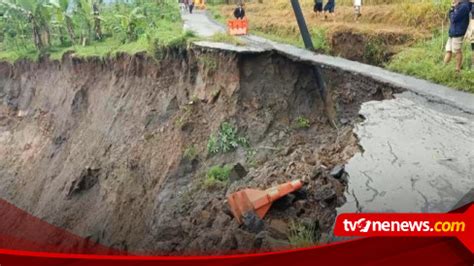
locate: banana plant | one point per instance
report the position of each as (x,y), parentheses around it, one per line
(129,22)
(90,13)
(33,11)
(63,15)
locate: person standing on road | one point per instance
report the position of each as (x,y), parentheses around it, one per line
(239,12)
(357,9)
(191,6)
(470,34)
(329,8)
(318,7)
(459,18)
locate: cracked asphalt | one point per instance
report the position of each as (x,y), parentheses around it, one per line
(418,149)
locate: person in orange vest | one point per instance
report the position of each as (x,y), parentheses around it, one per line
(239,12)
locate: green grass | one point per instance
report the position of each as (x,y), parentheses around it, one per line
(217,176)
(214,10)
(301,235)
(425,60)
(12,55)
(226,38)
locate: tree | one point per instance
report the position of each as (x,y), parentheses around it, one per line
(32,11)
(63,14)
(90,12)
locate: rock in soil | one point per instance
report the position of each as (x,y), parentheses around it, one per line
(267,242)
(238,172)
(337,171)
(284,203)
(278,229)
(252,222)
(325,193)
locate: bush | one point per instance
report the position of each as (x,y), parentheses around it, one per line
(217,176)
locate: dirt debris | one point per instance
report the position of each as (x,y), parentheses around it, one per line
(126,140)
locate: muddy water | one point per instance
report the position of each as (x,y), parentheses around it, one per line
(416,158)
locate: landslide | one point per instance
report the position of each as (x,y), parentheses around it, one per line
(100,147)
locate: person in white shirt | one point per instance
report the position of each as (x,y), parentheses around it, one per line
(357,9)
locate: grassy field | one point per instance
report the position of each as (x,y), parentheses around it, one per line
(402,36)
(424,60)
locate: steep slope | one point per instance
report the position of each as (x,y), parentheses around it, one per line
(103,147)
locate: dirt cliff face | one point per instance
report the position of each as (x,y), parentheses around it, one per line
(101,147)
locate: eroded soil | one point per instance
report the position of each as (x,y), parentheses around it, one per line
(101,147)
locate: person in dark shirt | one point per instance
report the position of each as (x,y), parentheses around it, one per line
(459,18)
(239,12)
(191,6)
(318,7)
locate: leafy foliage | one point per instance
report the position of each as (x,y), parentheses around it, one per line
(302,122)
(29,28)
(217,176)
(226,140)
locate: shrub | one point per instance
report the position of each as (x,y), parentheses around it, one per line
(217,176)
(226,140)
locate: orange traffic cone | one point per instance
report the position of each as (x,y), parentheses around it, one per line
(248,200)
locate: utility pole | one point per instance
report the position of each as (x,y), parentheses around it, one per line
(308,43)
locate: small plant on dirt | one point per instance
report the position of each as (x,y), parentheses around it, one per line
(374,52)
(217,176)
(302,122)
(301,235)
(250,157)
(190,153)
(209,62)
(194,99)
(226,140)
(212,146)
(181,120)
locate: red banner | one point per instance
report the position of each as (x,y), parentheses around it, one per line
(27,240)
